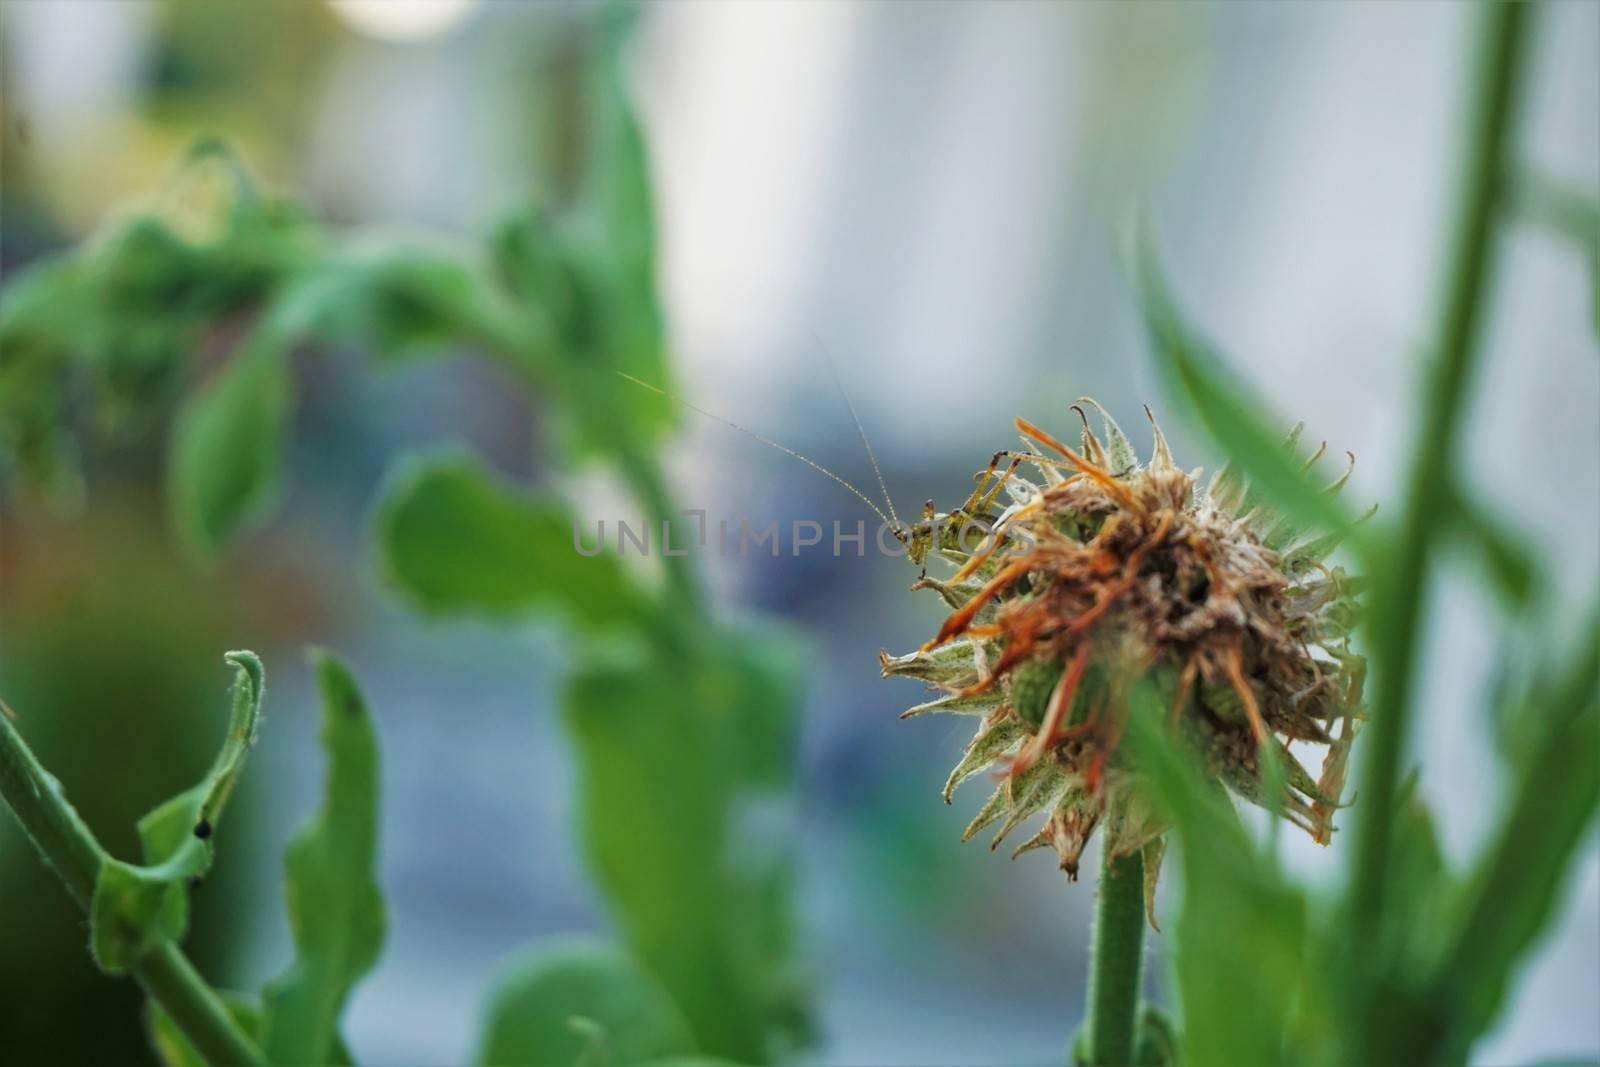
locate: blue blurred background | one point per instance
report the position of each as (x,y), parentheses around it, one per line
(932,194)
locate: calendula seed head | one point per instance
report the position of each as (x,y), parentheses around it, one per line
(1107,569)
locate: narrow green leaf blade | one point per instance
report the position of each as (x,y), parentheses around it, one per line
(336,911)
(455,540)
(223,465)
(1517,882)
(1507,561)
(1226,409)
(544,988)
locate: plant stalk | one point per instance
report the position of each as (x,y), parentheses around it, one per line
(70,849)
(1397,603)
(1117,966)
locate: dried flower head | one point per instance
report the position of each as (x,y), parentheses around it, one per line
(1109,570)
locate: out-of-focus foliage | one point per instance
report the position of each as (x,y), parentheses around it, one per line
(336,911)
(455,541)
(553,1002)
(1312,980)
(683,726)
(107,335)
(674,765)
(136,908)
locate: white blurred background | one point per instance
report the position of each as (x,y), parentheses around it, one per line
(932,192)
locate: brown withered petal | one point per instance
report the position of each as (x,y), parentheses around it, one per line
(1107,566)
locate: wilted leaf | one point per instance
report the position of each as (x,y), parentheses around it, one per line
(682,757)
(543,989)
(336,912)
(605,308)
(137,908)
(454,540)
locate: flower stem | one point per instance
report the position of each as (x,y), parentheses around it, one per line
(1115,970)
(70,849)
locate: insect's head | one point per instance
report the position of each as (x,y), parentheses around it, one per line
(919,537)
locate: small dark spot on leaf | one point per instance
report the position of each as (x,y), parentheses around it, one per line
(202,829)
(351,704)
(194,882)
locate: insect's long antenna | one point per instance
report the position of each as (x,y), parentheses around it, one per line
(807,460)
(861,430)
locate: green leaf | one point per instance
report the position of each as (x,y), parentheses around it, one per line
(1226,409)
(455,540)
(336,911)
(1566,211)
(1508,562)
(223,465)
(137,908)
(402,300)
(602,257)
(1516,883)
(538,994)
(619,165)
(1241,953)
(679,754)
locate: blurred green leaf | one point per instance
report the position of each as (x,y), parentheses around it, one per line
(1423,888)
(537,995)
(401,299)
(1226,409)
(137,908)
(681,756)
(1566,211)
(1531,684)
(618,179)
(1507,561)
(225,452)
(454,540)
(1516,883)
(595,270)
(336,911)
(1241,952)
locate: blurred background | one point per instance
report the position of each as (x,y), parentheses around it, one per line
(932,194)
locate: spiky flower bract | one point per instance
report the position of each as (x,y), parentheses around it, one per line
(1108,571)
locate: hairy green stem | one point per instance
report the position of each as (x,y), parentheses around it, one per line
(70,849)
(1118,962)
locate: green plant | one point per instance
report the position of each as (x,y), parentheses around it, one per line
(680,720)
(138,913)
(1087,638)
